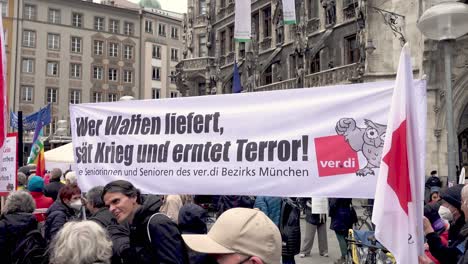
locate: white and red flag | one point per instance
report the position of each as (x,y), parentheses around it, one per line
(3,91)
(398,206)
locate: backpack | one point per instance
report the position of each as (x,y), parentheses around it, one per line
(32,249)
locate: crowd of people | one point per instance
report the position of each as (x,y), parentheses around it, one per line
(49,220)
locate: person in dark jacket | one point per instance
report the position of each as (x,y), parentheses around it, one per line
(290,229)
(343,216)
(192,220)
(464,230)
(154,237)
(271,206)
(15,222)
(453,251)
(227,202)
(100,214)
(315,223)
(62,210)
(53,188)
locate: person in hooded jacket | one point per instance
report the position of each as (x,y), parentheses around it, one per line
(192,220)
(342,216)
(154,237)
(53,188)
(63,210)
(15,222)
(454,250)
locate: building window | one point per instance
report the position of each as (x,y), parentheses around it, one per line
(99,23)
(98,47)
(312,5)
(222,4)
(148,26)
(97,97)
(50,128)
(128,52)
(98,72)
(352,50)
(175,33)
(156,52)
(113,76)
(174,54)
(4,4)
(315,63)
(222,43)
(77,20)
(30,12)
(54,16)
(75,96)
(174,94)
(202,48)
(156,93)
(156,74)
(111,97)
(53,68)
(256,22)
(76,44)
(113,49)
(231,38)
(242,49)
(173,76)
(114,26)
(128,29)
(162,30)
(26,93)
(268,76)
(202,7)
(52,95)
(75,70)
(27,65)
(128,76)
(53,41)
(29,38)
(267,22)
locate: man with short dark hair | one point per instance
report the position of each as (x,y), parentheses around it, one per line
(53,188)
(99,212)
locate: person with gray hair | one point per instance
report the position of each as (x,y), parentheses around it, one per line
(22,181)
(53,188)
(81,242)
(70,178)
(16,221)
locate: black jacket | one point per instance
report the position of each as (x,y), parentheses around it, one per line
(342,215)
(57,215)
(227,202)
(454,251)
(13,227)
(464,232)
(166,245)
(290,228)
(119,234)
(52,189)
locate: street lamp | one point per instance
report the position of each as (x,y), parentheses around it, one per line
(446,22)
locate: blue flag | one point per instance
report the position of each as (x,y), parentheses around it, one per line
(236,81)
(30,121)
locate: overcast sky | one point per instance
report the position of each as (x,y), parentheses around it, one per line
(172,5)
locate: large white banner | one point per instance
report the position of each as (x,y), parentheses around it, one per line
(242,21)
(319,142)
(289,11)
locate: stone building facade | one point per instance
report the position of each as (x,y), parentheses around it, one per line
(333,42)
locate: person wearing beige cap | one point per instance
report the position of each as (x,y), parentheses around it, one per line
(240,235)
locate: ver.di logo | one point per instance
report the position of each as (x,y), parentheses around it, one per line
(337,154)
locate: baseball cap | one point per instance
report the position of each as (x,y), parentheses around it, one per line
(240,230)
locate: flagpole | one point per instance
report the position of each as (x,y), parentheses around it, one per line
(20,140)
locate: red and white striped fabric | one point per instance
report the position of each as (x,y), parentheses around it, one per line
(3,91)
(398,202)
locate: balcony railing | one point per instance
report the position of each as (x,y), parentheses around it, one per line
(266,43)
(221,13)
(201,19)
(343,74)
(313,25)
(230,58)
(222,61)
(230,8)
(196,63)
(288,84)
(349,12)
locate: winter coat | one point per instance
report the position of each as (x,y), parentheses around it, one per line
(290,227)
(455,248)
(14,227)
(342,215)
(464,232)
(227,202)
(52,189)
(171,206)
(166,245)
(57,215)
(192,220)
(42,204)
(271,206)
(119,234)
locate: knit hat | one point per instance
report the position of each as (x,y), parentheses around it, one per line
(35,184)
(435,189)
(431,211)
(453,195)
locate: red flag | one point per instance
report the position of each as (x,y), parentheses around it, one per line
(40,167)
(3,89)
(399,194)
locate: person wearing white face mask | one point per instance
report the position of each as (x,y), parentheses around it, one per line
(452,201)
(64,209)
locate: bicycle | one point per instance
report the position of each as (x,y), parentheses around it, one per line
(363,248)
(365,220)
